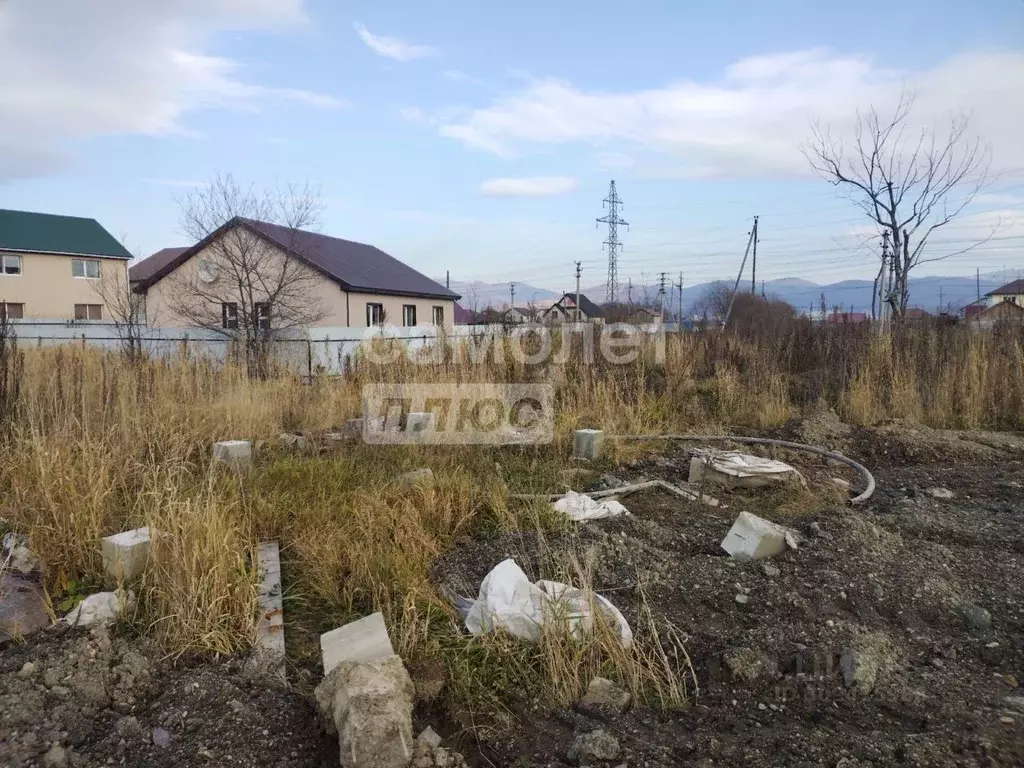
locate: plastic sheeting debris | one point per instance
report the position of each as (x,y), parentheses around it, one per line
(580,507)
(508,601)
(736,469)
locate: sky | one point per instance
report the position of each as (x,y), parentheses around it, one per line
(480,138)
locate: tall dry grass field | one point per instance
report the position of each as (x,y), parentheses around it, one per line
(94,445)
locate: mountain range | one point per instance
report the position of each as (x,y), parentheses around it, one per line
(928,293)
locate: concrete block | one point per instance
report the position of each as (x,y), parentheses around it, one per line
(363,640)
(753,538)
(604,693)
(236,454)
(419,424)
(417,477)
(369,706)
(270,633)
(297,441)
(124,555)
(586,444)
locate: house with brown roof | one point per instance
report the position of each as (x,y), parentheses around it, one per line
(1011,292)
(52,267)
(565,311)
(353,285)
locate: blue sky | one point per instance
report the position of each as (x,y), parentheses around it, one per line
(480,137)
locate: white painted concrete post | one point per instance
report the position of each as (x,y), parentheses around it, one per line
(124,555)
(270,637)
(586,444)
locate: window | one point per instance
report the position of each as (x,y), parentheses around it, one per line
(11,265)
(89,268)
(12,311)
(88,311)
(262,318)
(438,315)
(374,314)
(229,315)
(408,314)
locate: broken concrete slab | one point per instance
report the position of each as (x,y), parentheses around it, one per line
(100,608)
(602,692)
(363,640)
(586,444)
(22,607)
(417,477)
(939,493)
(236,454)
(369,706)
(125,555)
(270,632)
(737,470)
(754,538)
(17,556)
(296,440)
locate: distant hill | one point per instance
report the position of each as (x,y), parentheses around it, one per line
(852,295)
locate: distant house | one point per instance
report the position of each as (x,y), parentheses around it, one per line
(357,285)
(846,318)
(1011,292)
(565,311)
(520,314)
(51,266)
(1001,312)
(462,315)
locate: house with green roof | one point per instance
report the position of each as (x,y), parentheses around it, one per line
(52,267)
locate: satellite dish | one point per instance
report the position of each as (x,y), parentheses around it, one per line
(208,271)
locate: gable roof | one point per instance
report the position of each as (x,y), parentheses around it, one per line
(354,266)
(590,309)
(142,273)
(1016,287)
(31,232)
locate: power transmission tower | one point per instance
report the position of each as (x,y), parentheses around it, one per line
(753,267)
(578,265)
(613,220)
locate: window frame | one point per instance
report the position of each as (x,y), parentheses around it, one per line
(409,313)
(229,315)
(85,269)
(438,311)
(3,265)
(374,309)
(261,315)
(88,311)
(5,312)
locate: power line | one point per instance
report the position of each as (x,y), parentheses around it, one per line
(613,220)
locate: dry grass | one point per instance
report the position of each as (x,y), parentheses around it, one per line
(94,446)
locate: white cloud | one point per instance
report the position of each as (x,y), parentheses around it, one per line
(457,76)
(393,47)
(751,121)
(538,186)
(70,71)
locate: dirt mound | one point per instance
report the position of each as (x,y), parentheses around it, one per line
(892,635)
(86,698)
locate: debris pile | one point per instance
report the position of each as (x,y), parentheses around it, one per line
(737,470)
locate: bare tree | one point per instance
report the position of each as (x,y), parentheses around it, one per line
(242,285)
(908,183)
(713,302)
(127,310)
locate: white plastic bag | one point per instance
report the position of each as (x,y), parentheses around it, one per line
(510,602)
(580,507)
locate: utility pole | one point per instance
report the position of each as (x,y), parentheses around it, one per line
(661,293)
(512,295)
(977,283)
(883,307)
(679,317)
(448,279)
(613,220)
(578,265)
(739,276)
(940,299)
(753,265)
(629,292)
